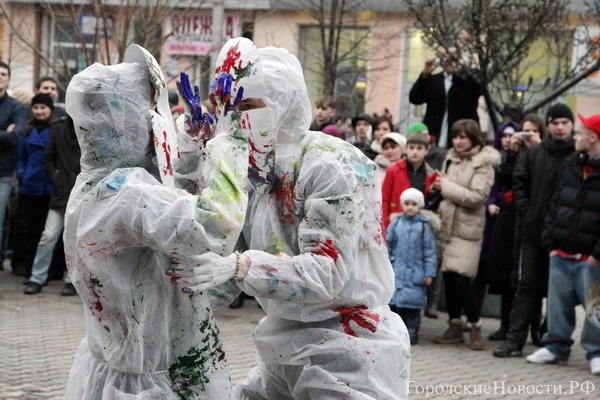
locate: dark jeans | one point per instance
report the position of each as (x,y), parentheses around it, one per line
(30,220)
(531,289)
(411,318)
(461,294)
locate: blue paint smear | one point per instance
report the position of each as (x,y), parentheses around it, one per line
(112,134)
(104,150)
(116,183)
(364,171)
(304,293)
(114,102)
(274,280)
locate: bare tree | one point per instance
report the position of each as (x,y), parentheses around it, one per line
(497,37)
(138,21)
(342,45)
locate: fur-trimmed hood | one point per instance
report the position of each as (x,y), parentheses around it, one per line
(480,156)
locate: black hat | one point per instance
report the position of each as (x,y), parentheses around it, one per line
(559,110)
(362,117)
(43,98)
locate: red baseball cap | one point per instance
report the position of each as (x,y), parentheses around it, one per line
(592,123)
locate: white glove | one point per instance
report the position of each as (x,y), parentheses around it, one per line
(200,273)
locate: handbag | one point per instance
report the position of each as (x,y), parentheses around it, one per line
(432,202)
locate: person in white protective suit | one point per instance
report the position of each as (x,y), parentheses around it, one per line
(317,262)
(145,338)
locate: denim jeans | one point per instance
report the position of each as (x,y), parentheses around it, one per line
(5,190)
(45,248)
(572,283)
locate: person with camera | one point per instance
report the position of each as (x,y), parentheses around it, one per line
(497,260)
(450,95)
(535,180)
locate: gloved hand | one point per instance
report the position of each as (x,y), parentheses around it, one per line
(197,121)
(200,273)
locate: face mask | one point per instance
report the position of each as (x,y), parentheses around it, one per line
(258,126)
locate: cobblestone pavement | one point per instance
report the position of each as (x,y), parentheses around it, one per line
(40,334)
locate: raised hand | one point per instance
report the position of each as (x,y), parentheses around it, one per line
(197,120)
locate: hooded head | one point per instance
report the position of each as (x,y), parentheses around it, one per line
(509,127)
(109,107)
(272,76)
(112,111)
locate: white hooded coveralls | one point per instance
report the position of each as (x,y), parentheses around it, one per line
(145,339)
(319,264)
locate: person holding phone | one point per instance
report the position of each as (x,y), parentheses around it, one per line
(450,95)
(465,188)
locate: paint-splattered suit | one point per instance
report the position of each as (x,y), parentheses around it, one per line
(145,339)
(319,264)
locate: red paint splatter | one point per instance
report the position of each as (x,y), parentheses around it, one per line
(92,244)
(232,56)
(357,314)
(283,188)
(168,170)
(253,169)
(221,354)
(327,249)
(98,306)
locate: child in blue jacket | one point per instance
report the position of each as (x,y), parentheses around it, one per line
(412,252)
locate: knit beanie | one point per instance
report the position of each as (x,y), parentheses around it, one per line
(413,194)
(559,110)
(43,98)
(416,127)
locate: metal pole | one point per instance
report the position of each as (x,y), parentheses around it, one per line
(218,13)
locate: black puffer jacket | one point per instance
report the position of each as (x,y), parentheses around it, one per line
(573,222)
(62,161)
(534,182)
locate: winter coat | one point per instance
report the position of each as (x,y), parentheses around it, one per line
(462,211)
(573,221)
(412,252)
(534,182)
(383,163)
(31,173)
(62,161)
(365,147)
(462,100)
(11,112)
(396,181)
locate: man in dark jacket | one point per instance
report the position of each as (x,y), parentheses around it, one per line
(62,163)
(535,180)
(13,120)
(572,237)
(449,96)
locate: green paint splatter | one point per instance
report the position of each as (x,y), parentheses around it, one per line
(276,247)
(193,369)
(227,185)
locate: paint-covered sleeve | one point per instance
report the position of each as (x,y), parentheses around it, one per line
(188,166)
(328,238)
(173,221)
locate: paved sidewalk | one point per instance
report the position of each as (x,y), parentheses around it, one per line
(40,334)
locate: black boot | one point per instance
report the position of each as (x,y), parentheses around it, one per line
(238,302)
(508,349)
(500,334)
